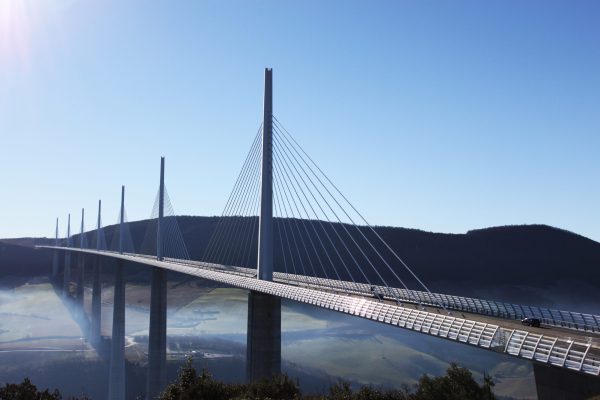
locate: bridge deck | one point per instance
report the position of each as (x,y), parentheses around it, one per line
(575,350)
(562,333)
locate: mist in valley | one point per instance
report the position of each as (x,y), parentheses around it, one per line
(43,337)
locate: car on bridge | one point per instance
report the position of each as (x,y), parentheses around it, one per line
(376,294)
(529,321)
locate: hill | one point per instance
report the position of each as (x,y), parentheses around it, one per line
(19,262)
(536,256)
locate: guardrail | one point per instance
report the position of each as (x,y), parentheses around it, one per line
(564,353)
(550,317)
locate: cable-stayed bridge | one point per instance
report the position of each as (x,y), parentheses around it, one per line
(287,231)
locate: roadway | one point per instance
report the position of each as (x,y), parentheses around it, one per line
(566,348)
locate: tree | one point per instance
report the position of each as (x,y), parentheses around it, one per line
(457,384)
(276,387)
(26,391)
(190,385)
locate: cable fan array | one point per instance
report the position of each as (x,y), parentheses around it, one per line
(82,238)
(173,246)
(317,231)
(127,242)
(173,243)
(234,241)
(98,238)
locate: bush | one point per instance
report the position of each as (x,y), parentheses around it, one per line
(457,384)
(190,385)
(26,391)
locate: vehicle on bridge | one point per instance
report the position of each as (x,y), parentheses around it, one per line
(376,293)
(534,322)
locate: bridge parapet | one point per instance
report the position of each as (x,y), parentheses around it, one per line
(569,354)
(550,317)
(547,349)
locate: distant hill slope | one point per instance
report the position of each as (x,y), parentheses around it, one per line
(526,255)
(535,255)
(21,261)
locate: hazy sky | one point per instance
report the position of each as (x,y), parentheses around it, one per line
(443,116)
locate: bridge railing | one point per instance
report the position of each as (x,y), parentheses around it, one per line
(551,317)
(566,353)
(546,349)
(558,318)
(559,352)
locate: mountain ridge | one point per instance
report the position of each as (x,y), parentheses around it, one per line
(535,254)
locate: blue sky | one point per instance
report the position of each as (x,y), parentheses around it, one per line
(442,116)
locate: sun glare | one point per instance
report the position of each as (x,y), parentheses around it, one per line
(21,27)
(15,31)
(17,18)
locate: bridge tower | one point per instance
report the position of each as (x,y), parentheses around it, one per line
(55,254)
(67,269)
(116,377)
(157,334)
(81,266)
(95,332)
(263,347)
(265,233)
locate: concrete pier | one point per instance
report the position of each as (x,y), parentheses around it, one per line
(81,266)
(157,340)
(263,350)
(116,378)
(95,332)
(67,274)
(80,281)
(263,346)
(95,327)
(55,254)
(116,375)
(67,268)
(157,333)
(55,264)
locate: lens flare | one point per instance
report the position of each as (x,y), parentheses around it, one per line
(15,30)
(24,25)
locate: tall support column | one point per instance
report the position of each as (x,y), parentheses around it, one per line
(67,268)
(157,340)
(81,267)
(263,347)
(161,212)
(116,378)
(55,255)
(95,332)
(157,333)
(265,233)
